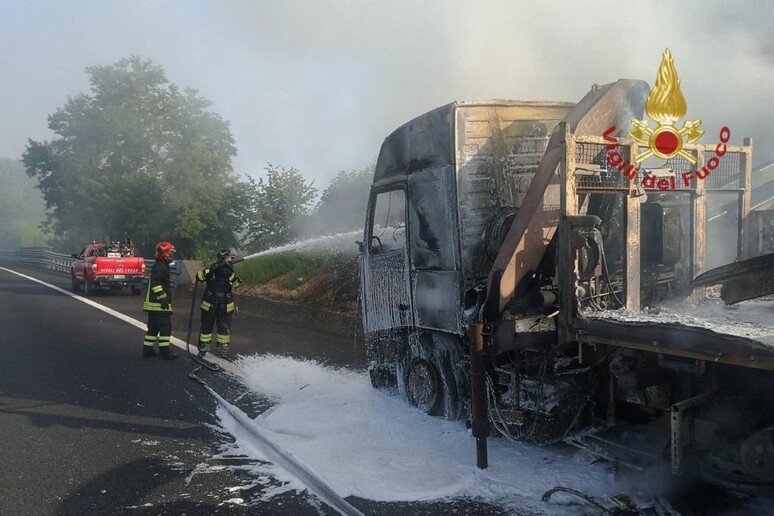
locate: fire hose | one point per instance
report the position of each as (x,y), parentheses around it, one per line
(615,505)
(279,456)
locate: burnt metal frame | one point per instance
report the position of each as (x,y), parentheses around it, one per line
(569,327)
(569,209)
(678,413)
(386,186)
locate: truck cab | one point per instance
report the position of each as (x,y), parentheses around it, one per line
(442,182)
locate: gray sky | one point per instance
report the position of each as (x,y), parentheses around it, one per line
(318,84)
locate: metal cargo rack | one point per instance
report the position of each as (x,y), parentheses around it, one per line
(585,170)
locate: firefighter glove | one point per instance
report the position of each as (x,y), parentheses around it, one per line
(165,305)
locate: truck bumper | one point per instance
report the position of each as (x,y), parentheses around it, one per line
(118,280)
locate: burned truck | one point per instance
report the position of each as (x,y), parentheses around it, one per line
(510,274)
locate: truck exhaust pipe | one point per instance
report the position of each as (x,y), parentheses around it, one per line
(478,403)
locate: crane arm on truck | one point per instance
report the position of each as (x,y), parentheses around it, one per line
(538,216)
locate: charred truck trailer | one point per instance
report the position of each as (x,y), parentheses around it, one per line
(501,249)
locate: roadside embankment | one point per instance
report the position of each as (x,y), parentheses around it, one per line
(309,316)
(306,315)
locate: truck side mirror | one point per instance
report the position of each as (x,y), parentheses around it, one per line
(74,255)
(378,247)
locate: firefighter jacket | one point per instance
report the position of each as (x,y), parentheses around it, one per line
(159,290)
(220,279)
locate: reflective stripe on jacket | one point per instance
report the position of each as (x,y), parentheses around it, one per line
(220,279)
(159,289)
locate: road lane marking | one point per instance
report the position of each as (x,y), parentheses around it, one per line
(224,364)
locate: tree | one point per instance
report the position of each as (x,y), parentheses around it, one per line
(138,157)
(278,203)
(21,208)
(343,204)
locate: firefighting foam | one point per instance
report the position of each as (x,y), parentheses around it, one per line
(355,439)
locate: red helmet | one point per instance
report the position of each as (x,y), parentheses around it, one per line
(164,251)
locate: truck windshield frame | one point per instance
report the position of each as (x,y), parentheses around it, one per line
(387,221)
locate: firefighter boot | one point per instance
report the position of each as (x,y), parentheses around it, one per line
(204,343)
(148,346)
(222,350)
(166,352)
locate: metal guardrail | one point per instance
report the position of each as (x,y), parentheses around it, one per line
(43,257)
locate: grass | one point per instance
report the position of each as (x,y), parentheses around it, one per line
(327,279)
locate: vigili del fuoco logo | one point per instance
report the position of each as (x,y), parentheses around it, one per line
(666,106)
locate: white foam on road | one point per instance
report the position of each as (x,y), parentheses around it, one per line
(370,444)
(362,442)
(254,434)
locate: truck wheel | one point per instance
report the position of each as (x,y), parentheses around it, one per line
(432,373)
(75,285)
(423,388)
(136,291)
(88,289)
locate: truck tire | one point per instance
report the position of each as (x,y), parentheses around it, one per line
(432,374)
(423,386)
(75,284)
(136,291)
(88,288)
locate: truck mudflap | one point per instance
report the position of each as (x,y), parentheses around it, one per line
(679,340)
(743,280)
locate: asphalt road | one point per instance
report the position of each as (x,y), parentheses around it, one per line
(89,428)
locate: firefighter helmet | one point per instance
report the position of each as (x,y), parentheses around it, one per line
(164,251)
(223,254)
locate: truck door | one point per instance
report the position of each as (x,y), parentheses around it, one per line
(385,273)
(433,242)
(79,263)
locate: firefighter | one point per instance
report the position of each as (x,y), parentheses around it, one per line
(218,302)
(158,304)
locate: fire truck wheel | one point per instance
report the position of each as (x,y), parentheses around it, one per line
(423,388)
(88,289)
(75,285)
